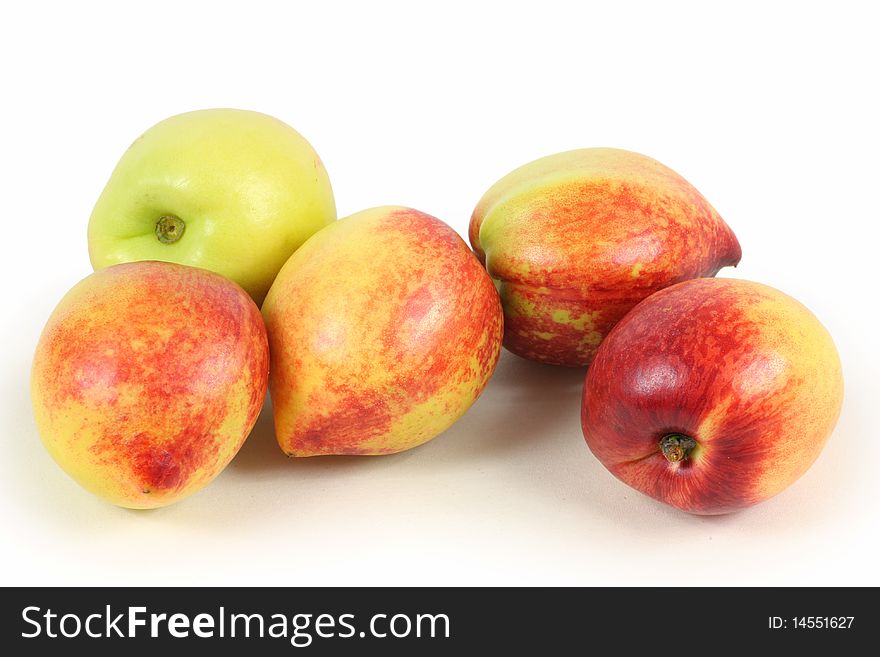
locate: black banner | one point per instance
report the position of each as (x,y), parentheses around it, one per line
(423,621)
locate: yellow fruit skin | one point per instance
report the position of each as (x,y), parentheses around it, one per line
(576,239)
(249,189)
(383,328)
(147,379)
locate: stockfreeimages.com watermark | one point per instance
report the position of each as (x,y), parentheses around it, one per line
(300,629)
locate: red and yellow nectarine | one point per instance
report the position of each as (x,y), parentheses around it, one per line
(575,240)
(383,329)
(147,379)
(713,395)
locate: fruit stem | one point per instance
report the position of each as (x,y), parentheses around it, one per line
(169,229)
(676,446)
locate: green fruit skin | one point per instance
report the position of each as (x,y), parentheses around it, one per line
(248,188)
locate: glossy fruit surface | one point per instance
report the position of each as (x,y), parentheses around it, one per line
(713,395)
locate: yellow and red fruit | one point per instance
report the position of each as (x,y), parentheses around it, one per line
(383,329)
(713,395)
(576,239)
(147,379)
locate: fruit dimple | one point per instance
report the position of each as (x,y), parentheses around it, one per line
(169,229)
(677,447)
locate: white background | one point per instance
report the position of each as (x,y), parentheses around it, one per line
(770,109)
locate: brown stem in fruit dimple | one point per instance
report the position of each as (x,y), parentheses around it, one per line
(676,446)
(169,229)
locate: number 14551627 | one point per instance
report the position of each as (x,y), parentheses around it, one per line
(810,622)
